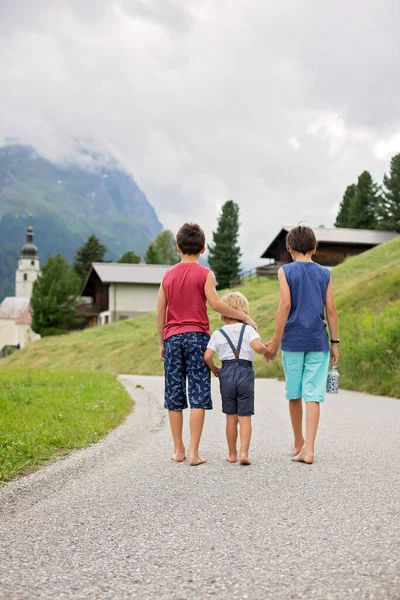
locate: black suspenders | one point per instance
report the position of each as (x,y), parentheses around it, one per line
(236,351)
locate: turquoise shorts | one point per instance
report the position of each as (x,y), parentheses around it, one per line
(305,375)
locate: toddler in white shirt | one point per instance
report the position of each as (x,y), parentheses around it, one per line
(235,344)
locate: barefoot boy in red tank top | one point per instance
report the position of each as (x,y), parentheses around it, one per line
(183,333)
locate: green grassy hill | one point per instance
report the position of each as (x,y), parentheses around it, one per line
(367,290)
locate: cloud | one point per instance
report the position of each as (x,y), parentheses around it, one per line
(294,143)
(386,148)
(279,106)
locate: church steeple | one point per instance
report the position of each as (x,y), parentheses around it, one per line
(28,265)
(29,249)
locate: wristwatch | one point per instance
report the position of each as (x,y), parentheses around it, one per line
(335,341)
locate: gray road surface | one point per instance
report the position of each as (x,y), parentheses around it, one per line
(120,520)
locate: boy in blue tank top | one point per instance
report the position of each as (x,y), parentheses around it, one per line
(305,297)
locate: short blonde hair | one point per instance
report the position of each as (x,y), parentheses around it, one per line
(236,300)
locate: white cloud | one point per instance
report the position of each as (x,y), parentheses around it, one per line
(294,143)
(385,149)
(277,107)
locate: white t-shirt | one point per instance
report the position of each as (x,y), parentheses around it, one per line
(220,345)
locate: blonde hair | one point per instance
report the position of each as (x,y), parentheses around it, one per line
(236,300)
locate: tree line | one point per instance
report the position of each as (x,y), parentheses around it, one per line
(367,205)
(56,291)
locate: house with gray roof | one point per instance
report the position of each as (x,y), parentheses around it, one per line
(115,291)
(334,245)
(15,323)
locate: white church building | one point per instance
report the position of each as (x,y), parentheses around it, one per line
(15,316)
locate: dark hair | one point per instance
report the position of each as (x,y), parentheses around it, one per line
(301,239)
(191,239)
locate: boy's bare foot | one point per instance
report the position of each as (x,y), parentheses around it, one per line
(244,460)
(297,448)
(197,460)
(304,457)
(178,456)
(232,458)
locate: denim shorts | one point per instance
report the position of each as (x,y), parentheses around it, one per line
(184,360)
(236,381)
(305,375)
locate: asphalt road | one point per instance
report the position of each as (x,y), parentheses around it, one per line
(120,520)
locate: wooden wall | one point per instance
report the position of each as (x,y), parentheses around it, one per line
(328,254)
(98,291)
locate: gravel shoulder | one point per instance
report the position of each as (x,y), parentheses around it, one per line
(119,520)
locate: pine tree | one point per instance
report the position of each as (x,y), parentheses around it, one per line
(390,208)
(364,208)
(54,297)
(91,251)
(342,219)
(224,253)
(151,257)
(130,257)
(162,251)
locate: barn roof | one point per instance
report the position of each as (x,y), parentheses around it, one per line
(339,235)
(127,273)
(17,309)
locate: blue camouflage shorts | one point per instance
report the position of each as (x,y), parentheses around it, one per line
(184,359)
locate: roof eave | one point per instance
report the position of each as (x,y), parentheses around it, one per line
(111,282)
(92,268)
(267,254)
(348,243)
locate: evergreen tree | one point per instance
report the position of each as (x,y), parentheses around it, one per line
(91,251)
(364,208)
(162,251)
(151,257)
(54,297)
(224,253)
(342,219)
(390,208)
(130,257)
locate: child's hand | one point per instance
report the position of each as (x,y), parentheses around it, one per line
(162,352)
(334,354)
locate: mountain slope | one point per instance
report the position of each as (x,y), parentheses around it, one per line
(68,203)
(367,290)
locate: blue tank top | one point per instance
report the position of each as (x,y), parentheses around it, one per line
(305,329)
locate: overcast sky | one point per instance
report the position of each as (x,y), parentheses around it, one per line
(277,105)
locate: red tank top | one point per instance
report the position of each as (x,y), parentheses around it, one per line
(183,285)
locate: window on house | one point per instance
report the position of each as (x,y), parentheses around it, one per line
(32,263)
(106,320)
(25,277)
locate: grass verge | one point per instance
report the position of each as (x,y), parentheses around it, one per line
(48,413)
(367,291)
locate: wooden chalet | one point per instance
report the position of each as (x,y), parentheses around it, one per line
(334,246)
(115,291)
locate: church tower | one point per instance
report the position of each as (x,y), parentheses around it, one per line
(28,267)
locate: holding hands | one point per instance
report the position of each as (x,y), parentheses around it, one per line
(272,350)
